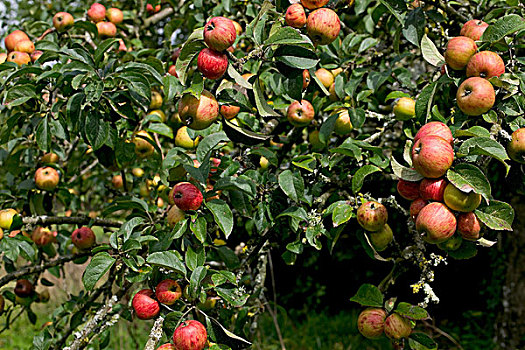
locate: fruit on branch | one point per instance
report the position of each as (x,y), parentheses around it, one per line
(63,21)
(50,158)
(405,108)
(313,4)
(325,77)
(382,238)
(156,100)
(115,15)
(229,112)
(187,196)
(158,113)
(459,51)
(469,226)
(485,64)
(437,222)
(174,215)
(106,30)
(371,322)
(315,141)
(432,156)
(97,12)
(343,125)
(117,182)
(183,139)
(3,57)
(14,37)
(167,346)
(151,10)
(295,16)
(306,79)
(516,147)
(212,64)
(264,163)
(300,113)
(83,238)
(6,218)
(26,46)
(143,148)
(144,305)
(43,236)
(20,58)
(473,29)
(435,129)
(238,27)
(433,189)
(138,172)
(24,288)
(397,327)
(190,335)
(47,178)
(453,243)
(458,200)
(323,26)
(199,113)
(36,55)
(172,70)
(168,291)
(219,33)
(416,206)
(408,189)
(475,96)
(333,95)
(372,216)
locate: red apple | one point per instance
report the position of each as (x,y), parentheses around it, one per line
(3,57)
(212,64)
(122,46)
(167,346)
(397,327)
(416,206)
(36,55)
(168,292)
(473,29)
(300,113)
(26,46)
(313,4)
(469,226)
(14,37)
(475,96)
(115,15)
(190,335)
(62,21)
(43,236)
(219,33)
(408,189)
(459,51)
(83,238)
(433,189)
(24,288)
(437,222)
(458,200)
(199,113)
(20,58)
(144,305)
(323,26)
(173,71)
(151,10)
(372,216)
(97,12)
(516,147)
(371,323)
(485,64)
(106,30)
(187,196)
(432,156)
(295,16)
(306,79)
(435,129)
(229,112)
(46,178)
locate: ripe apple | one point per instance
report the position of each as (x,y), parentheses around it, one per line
(433,189)
(408,189)
(343,125)
(458,200)
(117,182)
(453,243)
(14,37)
(306,79)
(295,16)
(24,288)
(183,139)
(43,236)
(199,113)
(97,12)
(382,238)
(432,156)
(168,292)
(174,214)
(50,158)
(323,26)
(47,178)
(475,96)
(83,238)
(300,113)
(106,30)
(371,322)
(313,4)
(219,33)
(435,129)
(36,55)
(167,346)
(172,70)
(115,15)
(62,21)
(187,196)
(144,305)
(190,335)
(469,226)
(3,57)
(6,218)
(459,51)
(485,64)
(516,147)
(405,108)
(397,327)
(372,216)
(26,46)
(212,64)
(143,148)
(229,112)
(238,27)
(325,77)
(437,222)
(20,58)
(473,29)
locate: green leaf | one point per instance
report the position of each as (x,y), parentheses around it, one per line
(497,215)
(403,172)
(167,259)
(171,86)
(485,146)
(430,52)
(144,68)
(473,131)
(196,279)
(161,129)
(368,295)
(195,258)
(357,117)
(342,213)
(295,212)
(127,228)
(139,88)
(189,51)
(411,311)
(20,94)
(469,178)
(504,26)
(103,47)
(414,27)
(199,228)
(97,130)
(263,107)
(396,14)
(98,266)
(285,35)
(424,102)
(43,138)
(207,144)
(291,184)
(296,57)
(232,73)
(222,214)
(421,341)
(240,135)
(359,176)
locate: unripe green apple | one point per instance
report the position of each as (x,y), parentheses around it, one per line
(143,148)
(315,142)
(405,108)
(397,327)
(6,218)
(382,238)
(343,125)
(516,147)
(183,139)
(458,200)
(453,243)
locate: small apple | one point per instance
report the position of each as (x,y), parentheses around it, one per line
(97,12)
(372,216)
(300,113)
(437,222)
(343,125)
(397,327)
(156,100)
(143,148)
(485,64)
(516,147)
(473,29)
(323,26)
(172,70)
(14,37)
(459,51)
(313,4)
(151,10)
(47,178)
(432,156)
(264,163)
(199,113)
(115,15)
(187,196)
(408,189)
(190,335)
(382,238)
(469,226)
(43,236)
(20,58)
(106,29)
(458,200)
(315,142)
(229,112)
(26,46)
(138,172)
(435,129)
(24,288)
(183,139)
(158,113)
(144,305)
(6,218)
(3,57)
(167,346)
(36,55)
(83,238)
(50,158)
(333,95)
(219,33)
(475,96)
(168,292)
(371,323)
(63,21)
(212,64)
(306,79)
(295,16)
(325,77)
(174,214)
(433,189)
(117,182)
(335,72)
(405,108)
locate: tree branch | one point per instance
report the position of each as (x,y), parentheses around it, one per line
(157,17)
(155,334)
(65,220)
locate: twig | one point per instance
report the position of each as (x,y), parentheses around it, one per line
(443,333)
(71,220)
(84,171)
(44,34)
(276,325)
(155,334)
(157,17)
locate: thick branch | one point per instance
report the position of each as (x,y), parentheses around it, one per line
(68,220)
(157,17)
(155,334)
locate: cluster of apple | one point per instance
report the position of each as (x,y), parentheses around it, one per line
(373,322)
(373,216)
(183,196)
(97,13)
(20,49)
(434,199)
(476,94)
